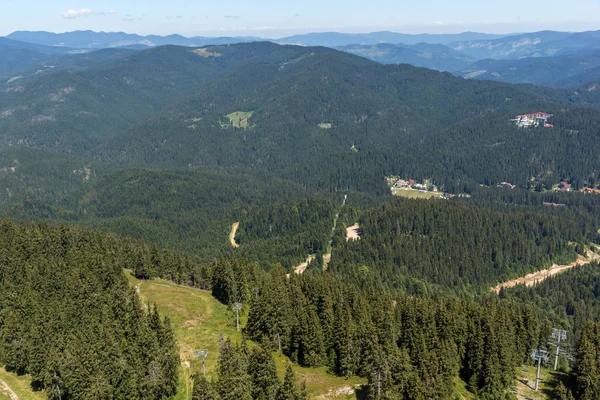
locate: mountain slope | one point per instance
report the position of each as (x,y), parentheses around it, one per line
(73,110)
(334,39)
(536,44)
(516,46)
(316,116)
(319,104)
(37,66)
(15,55)
(558,71)
(437,57)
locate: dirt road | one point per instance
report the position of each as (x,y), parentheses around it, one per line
(4,388)
(540,276)
(234,229)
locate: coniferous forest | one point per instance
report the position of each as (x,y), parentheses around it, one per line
(227,168)
(70,320)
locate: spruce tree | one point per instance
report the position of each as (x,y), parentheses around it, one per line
(288,390)
(202,389)
(263,373)
(233,382)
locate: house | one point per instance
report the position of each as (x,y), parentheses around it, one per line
(507,185)
(564,187)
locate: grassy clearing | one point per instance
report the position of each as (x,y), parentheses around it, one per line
(525,383)
(239,119)
(417,194)
(199,320)
(206,53)
(21,385)
(14,78)
(461,392)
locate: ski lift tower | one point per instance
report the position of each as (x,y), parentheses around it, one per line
(539,355)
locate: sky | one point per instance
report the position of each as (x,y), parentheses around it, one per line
(274,19)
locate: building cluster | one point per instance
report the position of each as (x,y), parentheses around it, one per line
(533,120)
(400,184)
(588,190)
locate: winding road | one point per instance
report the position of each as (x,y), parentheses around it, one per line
(540,276)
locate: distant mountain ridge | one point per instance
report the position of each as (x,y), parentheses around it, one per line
(333,39)
(94,40)
(549,58)
(535,44)
(99,40)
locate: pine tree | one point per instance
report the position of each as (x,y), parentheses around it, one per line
(202,389)
(263,374)
(587,367)
(288,390)
(233,380)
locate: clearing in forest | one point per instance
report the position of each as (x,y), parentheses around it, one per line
(198,320)
(15,387)
(299,270)
(7,391)
(540,276)
(13,79)
(206,53)
(239,119)
(353,232)
(418,194)
(234,229)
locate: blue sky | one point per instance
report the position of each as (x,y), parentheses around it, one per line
(280,18)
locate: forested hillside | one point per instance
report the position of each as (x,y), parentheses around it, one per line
(452,244)
(65,304)
(181,107)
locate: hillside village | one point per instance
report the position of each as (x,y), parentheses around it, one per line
(534,120)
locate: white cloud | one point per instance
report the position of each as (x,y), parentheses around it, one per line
(72,14)
(84,12)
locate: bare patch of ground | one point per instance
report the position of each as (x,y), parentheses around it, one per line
(206,53)
(337,392)
(353,232)
(300,269)
(234,229)
(59,97)
(540,276)
(239,119)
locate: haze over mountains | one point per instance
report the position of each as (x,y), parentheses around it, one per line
(549,58)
